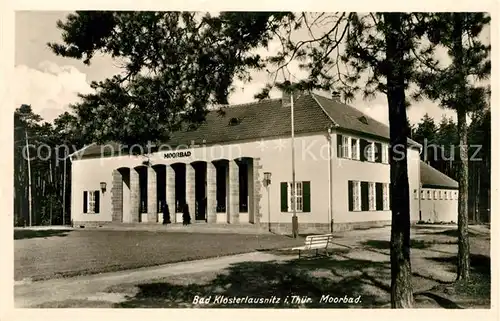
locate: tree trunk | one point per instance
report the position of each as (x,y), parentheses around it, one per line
(478,195)
(401,286)
(463,264)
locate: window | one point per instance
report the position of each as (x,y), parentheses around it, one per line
(440,195)
(91,203)
(368,196)
(370,152)
(91,200)
(385,154)
(445,195)
(371,196)
(386,203)
(295,198)
(357,195)
(298,197)
(355,148)
(354,191)
(456,195)
(429,196)
(415,194)
(422,195)
(345,147)
(350,147)
(435,195)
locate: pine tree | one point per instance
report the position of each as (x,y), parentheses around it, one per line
(175,65)
(455,87)
(378,56)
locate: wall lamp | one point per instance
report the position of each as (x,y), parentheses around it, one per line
(267,179)
(103,187)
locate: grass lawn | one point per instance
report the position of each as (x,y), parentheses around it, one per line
(48,254)
(360,269)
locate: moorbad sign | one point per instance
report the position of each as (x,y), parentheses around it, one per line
(177,154)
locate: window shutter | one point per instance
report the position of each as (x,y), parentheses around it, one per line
(379,193)
(284,197)
(339,146)
(351,196)
(85,197)
(378,152)
(362,150)
(97,201)
(306,196)
(390,195)
(364,196)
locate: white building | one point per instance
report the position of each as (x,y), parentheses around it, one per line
(438,196)
(218,170)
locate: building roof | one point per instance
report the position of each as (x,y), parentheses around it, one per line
(350,118)
(432,178)
(268,119)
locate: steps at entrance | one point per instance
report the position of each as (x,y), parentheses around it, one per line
(195,227)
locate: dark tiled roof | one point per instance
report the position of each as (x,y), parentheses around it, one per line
(432,178)
(269,118)
(350,118)
(263,119)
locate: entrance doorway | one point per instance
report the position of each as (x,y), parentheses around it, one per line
(180,186)
(200,177)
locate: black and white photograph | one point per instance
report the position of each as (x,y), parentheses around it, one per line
(252,159)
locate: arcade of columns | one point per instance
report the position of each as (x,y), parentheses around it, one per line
(232,192)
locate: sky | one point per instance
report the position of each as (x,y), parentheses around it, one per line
(50,83)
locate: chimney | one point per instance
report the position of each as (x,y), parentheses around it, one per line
(336,95)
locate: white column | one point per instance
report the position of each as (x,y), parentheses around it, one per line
(134,195)
(211,193)
(152,200)
(234,192)
(190,196)
(171,192)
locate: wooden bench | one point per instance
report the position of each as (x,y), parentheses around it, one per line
(316,242)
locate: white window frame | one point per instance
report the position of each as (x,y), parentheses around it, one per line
(445,195)
(415,194)
(440,195)
(349,148)
(371,152)
(346,146)
(429,194)
(435,195)
(355,151)
(299,197)
(385,153)
(385,194)
(456,195)
(91,202)
(422,194)
(372,206)
(356,196)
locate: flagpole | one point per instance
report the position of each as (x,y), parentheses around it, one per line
(64,190)
(294,189)
(30,209)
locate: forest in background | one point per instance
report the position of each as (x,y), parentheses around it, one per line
(50,182)
(440,141)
